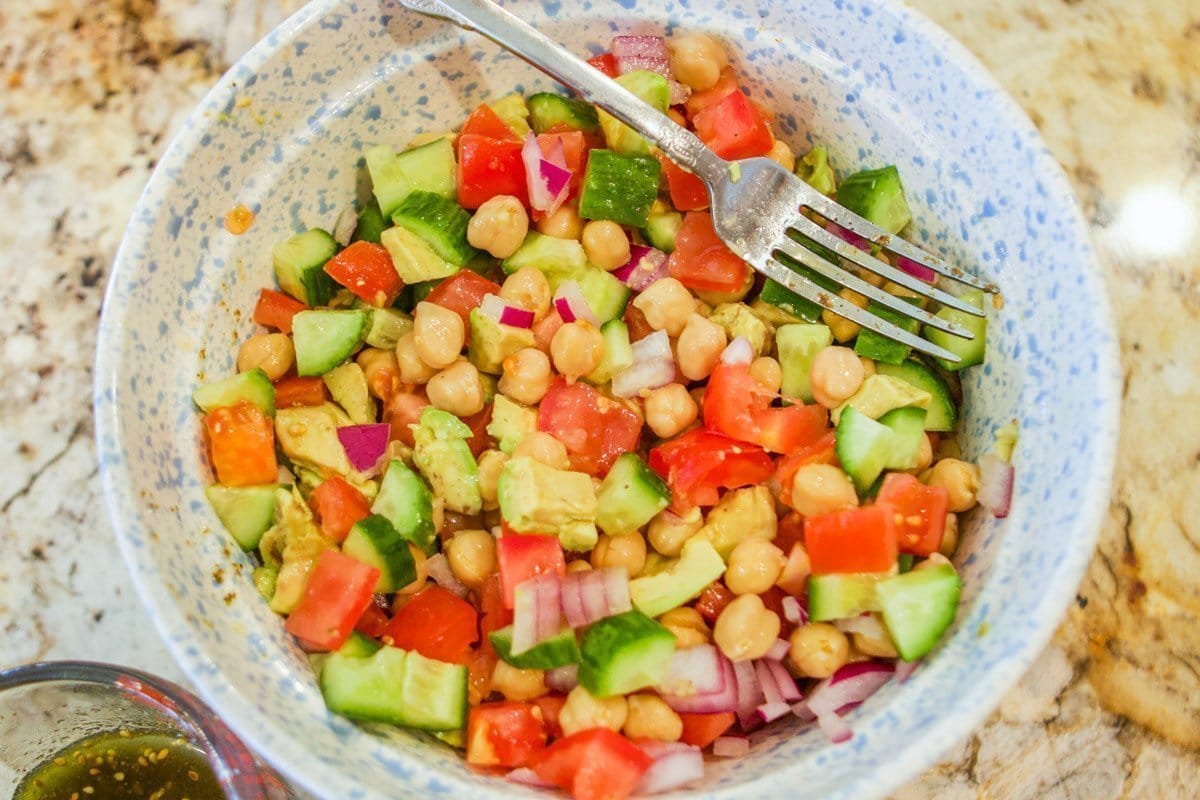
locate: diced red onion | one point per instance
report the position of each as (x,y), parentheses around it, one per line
(595,602)
(645,266)
(723,699)
(836,729)
(769,712)
(364,444)
(694,670)
(616,590)
(739,351)
(785,684)
(440,573)
(653,366)
(779,650)
(660,66)
(749,693)
(640,46)
(548,182)
(918,271)
(848,236)
(766,680)
(866,624)
(996,479)
(730,746)
(537,611)
(558,154)
(563,679)
(794,611)
(505,313)
(347,223)
(905,669)
(572,305)
(849,686)
(527,777)
(675,765)
(594,594)
(679,92)
(549,618)
(655,347)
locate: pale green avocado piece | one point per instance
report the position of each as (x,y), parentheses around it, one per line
(291,547)
(348,387)
(879,394)
(308,437)
(492,342)
(510,422)
(739,320)
(797,346)
(698,565)
(512,109)
(535,498)
(414,259)
(443,457)
(742,514)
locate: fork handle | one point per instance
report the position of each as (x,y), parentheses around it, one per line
(502,27)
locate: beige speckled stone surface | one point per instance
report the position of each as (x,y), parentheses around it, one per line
(90,92)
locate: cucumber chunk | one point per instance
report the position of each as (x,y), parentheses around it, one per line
(547,110)
(619,187)
(606,295)
(440,222)
(375,542)
(661,228)
(877,195)
(557,651)
(864,447)
(245,511)
(359,645)
(387,327)
(415,260)
(650,87)
(299,263)
(624,653)
(630,495)
(918,607)
(557,259)
(434,694)
(324,338)
(841,596)
(943,414)
(907,425)
(430,168)
(397,687)
(798,345)
(371,223)
(407,503)
(969,351)
(252,385)
(870,344)
(618,352)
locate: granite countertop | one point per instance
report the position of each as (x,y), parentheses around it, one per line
(91,90)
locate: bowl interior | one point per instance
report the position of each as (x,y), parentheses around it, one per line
(874,84)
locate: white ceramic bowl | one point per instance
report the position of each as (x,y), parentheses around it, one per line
(874,82)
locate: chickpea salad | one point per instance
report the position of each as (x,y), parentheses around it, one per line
(533,462)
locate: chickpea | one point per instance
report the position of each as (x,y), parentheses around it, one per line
(439,334)
(519,685)
(273,353)
(578,565)
(782,155)
(381,370)
(843,329)
(562,224)
(670,409)
(422,572)
(412,368)
(767,373)
(746,629)
(699,347)
(754,566)
(526,376)
(687,625)
(577,348)
(457,389)
(924,455)
(544,448)
(960,479)
(472,556)
(606,245)
(650,717)
(529,289)
(697,60)
(491,462)
(499,226)
(582,711)
(668,531)
(836,374)
(627,550)
(795,572)
(818,650)
(868,367)
(821,488)
(949,536)
(667,304)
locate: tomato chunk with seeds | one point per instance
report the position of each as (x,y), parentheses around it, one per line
(241,442)
(594,428)
(919,512)
(701,261)
(338,592)
(505,734)
(593,764)
(366,269)
(276,309)
(339,505)
(437,624)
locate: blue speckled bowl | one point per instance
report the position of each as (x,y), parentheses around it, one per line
(874,82)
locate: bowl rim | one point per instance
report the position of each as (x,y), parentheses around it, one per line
(995,679)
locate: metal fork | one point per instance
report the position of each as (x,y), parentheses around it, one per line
(756,203)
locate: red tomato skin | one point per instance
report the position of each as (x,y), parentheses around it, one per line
(919,512)
(241,443)
(488,167)
(437,624)
(594,428)
(701,261)
(701,730)
(462,292)
(276,310)
(856,540)
(593,764)
(292,391)
(551,706)
(505,734)
(726,85)
(606,63)
(713,599)
(734,128)
(484,121)
(735,405)
(480,439)
(698,463)
(688,192)
(339,590)
(373,622)
(521,556)
(403,409)
(366,269)
(339,505)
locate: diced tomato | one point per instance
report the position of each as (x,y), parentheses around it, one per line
(437,624)
(551,706)
(241,442)
(734,128)
(772,600)
(339,505)
(736,405)
(594,428)
(402,411)
(293,392)
(789,531)
(919,512)
(635,320)
(713,599)
(488,167)
(574,147)
(701,730)
(339,590)
(366,269)
(726,85)
(856,540)
(462,292)
(276,309)
(593,764)
(688,192)
(479,674)
(484,121)
(373,622)
(494,613)
(505,734)
(822,451)
(480,439)
(701,261)
(700,462)
(524,555)
(606,63)
(544,330)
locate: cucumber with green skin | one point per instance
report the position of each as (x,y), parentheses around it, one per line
(374,541)
(624,653)
(371,223)
(407,503)
(252,385)
(943,413)
(630,495)
(877,195)
(619,187)
(547,110)
(661,228)
(918,607)
(839,596)
(442,223)
(429,167)
(299,263)
(398,687)
(557,651)
(324,338)
(798,345)
(245,511)
(880,348)
(969,351)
